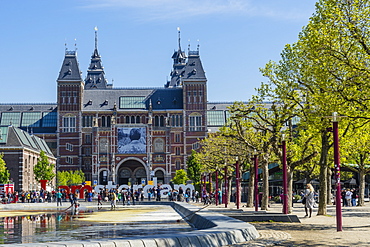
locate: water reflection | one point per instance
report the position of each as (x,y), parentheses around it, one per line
(66,226)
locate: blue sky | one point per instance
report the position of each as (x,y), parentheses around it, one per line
(136,40)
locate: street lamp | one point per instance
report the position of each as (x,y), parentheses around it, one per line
(216,194)
(338,203)
(237,181)
(226,185)
(285,185)
(255,180)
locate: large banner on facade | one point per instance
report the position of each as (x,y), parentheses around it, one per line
(131,140)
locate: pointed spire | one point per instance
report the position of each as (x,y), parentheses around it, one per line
(178,30)
(179,61)
(96,37)
(95,78)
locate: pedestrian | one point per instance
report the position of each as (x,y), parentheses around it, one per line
(59,198)
(71,198)
(99,199)
(128,198)
(113,200)
(149,193)
(196,194)
(354,197)
(348,197)
(310,199)
(158,194)
(219,195)
(343,195)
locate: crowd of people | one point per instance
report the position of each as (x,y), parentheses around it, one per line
(123,197)
(349,197)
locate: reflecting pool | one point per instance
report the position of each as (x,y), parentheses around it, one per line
(36,227)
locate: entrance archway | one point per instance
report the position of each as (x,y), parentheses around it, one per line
(160,176)
(131,171)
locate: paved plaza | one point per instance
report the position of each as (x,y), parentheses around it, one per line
(314,231)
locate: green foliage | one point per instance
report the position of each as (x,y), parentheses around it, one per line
(180,177)
(43,170)
(193,168)
(4,173)
(70,177)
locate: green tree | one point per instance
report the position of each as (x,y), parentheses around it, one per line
(193,168)
(180,177)
(43,170)
(70,177)
(4,173)
(356,156)
(327,71)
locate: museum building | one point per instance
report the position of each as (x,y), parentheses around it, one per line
(123,135)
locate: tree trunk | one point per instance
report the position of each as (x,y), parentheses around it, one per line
(250,188)
(361,193)
(229,186)
(323,173)
(290,189)
(265,187)
(328,190)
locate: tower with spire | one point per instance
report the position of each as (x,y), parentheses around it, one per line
(95,78)
(70,96)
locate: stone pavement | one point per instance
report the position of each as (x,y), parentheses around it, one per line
(314,231)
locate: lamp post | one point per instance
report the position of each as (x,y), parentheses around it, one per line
(338,203)
(285,184)
(256,201)
(237,181)
(216,194)
(226,185)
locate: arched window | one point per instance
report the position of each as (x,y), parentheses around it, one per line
(132,119)
(108,121)
(195,122)
(103,121)
(178,164)
(127,119)
(137,119)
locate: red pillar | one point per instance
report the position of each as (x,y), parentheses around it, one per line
(226,186)
(338,204)
(256,199)
(237,182)
(285,178)
(216,194)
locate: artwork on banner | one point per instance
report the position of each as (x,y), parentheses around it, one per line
(131,140)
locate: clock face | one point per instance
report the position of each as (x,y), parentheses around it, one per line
(158,145)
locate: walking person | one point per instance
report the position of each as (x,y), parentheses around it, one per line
(354,197)
(58,195)
(99,199)
(348,197)
(310,199)
(113,200)
(123,197)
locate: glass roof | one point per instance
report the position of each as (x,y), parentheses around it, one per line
(10,118)
(31,119)
(3,134)
(215,118)
(49,119)
(132,102)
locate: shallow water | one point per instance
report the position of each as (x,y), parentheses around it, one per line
(87,224)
